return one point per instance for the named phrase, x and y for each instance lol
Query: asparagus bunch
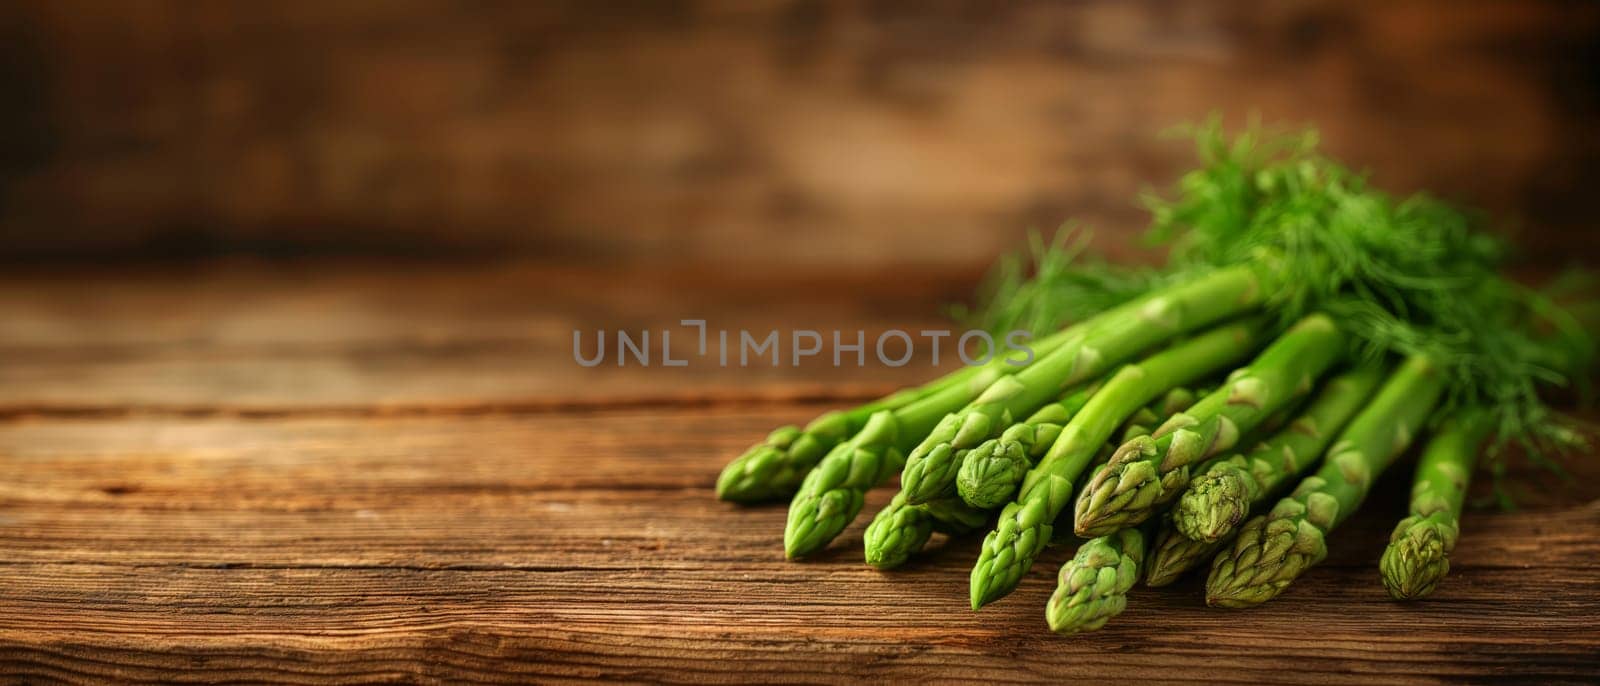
(1418, 556)
(1220, 496)
(1025, 525)
(831, 495)
(1148, 471)
(1274, 549)
(1264, 225)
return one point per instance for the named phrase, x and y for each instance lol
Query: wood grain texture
(554, 545)
(817, 131)
(354, 335)
(516, 541)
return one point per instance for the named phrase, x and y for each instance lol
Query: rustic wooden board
(181, 535)
(546, 545)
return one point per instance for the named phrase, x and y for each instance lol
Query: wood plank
(510, 546)
(342, 335)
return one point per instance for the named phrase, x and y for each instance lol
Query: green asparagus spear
(1418, 556)
(1093, 586)
(1273, 549)
(931, 468)
(1224, 488)
(1025, 525)
(831, 495)
(1149, 471)
(899, 530)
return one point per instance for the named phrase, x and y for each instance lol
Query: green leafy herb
(1051, 285)
(1405, 276)
(1409, 276)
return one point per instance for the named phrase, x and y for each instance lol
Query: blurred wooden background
(722, 130)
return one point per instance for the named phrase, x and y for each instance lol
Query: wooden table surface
(339, 472)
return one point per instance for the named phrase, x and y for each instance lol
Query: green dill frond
(1405, 276)
(1051, 285)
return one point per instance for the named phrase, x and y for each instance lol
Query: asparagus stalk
(1149, 471)
(1225, 488)
(899, 530)
(1093, 586)
(990, 473)
(1418, 556)
(831, 495)
(775, 467)
(1148, 418)
(1273, 549)
(1025, 525)
(1177, 400)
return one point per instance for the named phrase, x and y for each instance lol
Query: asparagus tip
(989, 475)
(1417, 557)
(1214, 504)
(1174, 554)
(1094, 584)
(1121, 492)
(1269, 554)
(804, 533)
(896, 533)
(770, 469)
